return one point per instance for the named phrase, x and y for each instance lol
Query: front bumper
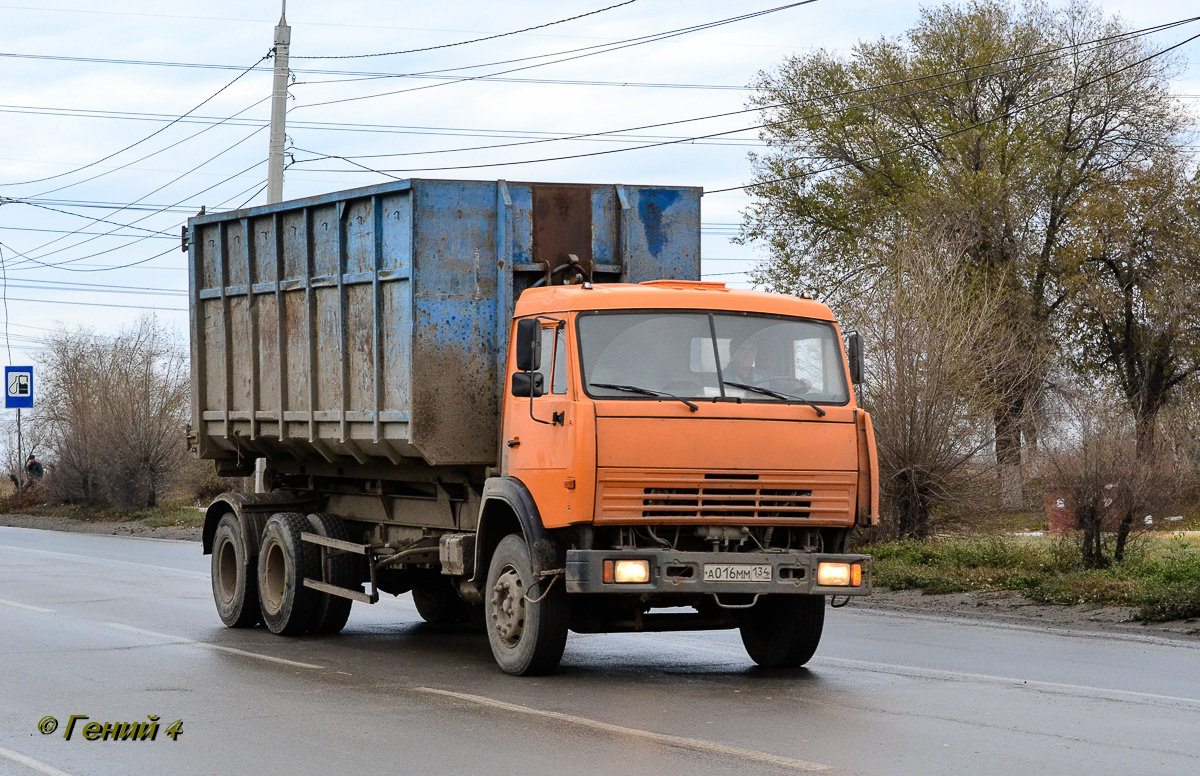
(792, 573)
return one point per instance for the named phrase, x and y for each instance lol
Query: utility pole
(279, 95)
(283, 41)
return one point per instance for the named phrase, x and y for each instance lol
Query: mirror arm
(558, 323)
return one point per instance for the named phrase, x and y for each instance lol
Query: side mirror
(531, 384)
(854, 355)
(529, 345)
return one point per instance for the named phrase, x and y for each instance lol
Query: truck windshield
(709, 355)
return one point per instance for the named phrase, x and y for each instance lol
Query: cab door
(542, 434)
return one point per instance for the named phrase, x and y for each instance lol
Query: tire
(332, 611)
(527, 639)
(783, 631)
(439, 605)
(234, 580)
(288, 607)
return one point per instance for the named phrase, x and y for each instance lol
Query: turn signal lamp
(632, 572)
(839, 574)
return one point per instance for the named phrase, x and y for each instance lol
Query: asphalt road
(120, 628)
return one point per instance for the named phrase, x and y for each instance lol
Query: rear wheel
(234, 582)
(332, 611)
(783, 631)
(439, 604)
(527, 638)
(288, 607)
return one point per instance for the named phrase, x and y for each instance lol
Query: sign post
(18, 381)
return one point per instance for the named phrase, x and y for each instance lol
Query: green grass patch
(1160, 576)
(175, 514)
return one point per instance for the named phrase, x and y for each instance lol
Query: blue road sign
(19, 383)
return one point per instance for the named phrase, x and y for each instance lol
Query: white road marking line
(972, 621)
(693, 744)
(29, 762)
(32, 551)
(26, 606)
(217, 647)
(1009, 680)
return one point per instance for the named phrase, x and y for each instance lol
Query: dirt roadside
(109, 527)
(994, 606)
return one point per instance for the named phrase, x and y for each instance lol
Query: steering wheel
(794, 385)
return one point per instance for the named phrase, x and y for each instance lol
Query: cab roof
(677, 294)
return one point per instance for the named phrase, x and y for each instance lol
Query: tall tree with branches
(989, 119)
(1134, 306)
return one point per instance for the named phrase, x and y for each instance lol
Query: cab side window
(554, 358)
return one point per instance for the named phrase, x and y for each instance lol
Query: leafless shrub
(935, 343)
(114, 411)
(1104, 480)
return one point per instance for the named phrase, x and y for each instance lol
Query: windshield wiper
(776, 394)
(646, 392)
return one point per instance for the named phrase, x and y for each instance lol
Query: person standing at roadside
(33, 468)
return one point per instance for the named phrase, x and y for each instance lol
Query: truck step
(343, 592)
(337, 544)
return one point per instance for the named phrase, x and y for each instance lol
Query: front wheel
(783, 631)
(526, 621)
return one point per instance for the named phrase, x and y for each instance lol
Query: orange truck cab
(695, 446)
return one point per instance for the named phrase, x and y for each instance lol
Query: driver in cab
(743, 368)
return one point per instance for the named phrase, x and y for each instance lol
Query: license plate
(737, 572)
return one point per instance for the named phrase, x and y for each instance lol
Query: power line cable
(158, 131)
(606, 48)
(1107, 40)
(84, 289)
(72, 285)
(172, 249)
(398, 129)
(546, 81)
(44, 206)
(355, 75)
(95, 304)
(765, 125)
(159, 151)
(4, 282)
(476, 40)
(61, 265)
(997, 117)
(86, 204)
(65, 231)
(155, 191)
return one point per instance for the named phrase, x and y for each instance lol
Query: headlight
(839, 574)
(631, 572)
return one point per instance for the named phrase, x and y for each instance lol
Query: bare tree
(1107, 485)
(115, 413)
(936, 343)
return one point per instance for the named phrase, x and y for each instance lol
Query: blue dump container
(369, 327)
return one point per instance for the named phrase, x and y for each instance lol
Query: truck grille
(678, 497)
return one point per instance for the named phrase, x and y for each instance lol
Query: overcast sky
(64, 120)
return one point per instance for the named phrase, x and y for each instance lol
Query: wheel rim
(508, 607)
(274, 576)
(227, 569)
